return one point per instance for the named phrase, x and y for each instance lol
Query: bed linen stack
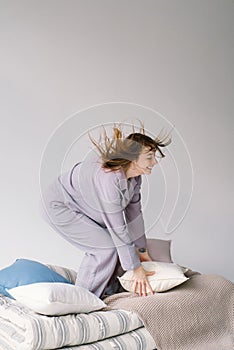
(23, 329)
(197, 315)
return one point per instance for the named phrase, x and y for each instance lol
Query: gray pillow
(159, 249)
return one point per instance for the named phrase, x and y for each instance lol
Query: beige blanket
(197, 315)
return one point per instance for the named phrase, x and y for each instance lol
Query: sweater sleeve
(113, 217)
(134, 217)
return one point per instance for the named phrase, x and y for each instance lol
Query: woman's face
(145, 162)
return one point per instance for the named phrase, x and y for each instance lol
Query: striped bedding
(23, 329)
(138, 339)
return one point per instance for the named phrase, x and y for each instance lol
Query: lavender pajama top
(111, 200)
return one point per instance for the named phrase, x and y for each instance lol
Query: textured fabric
(23, 329)
(197, 315)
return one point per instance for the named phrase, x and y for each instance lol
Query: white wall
(175, 57)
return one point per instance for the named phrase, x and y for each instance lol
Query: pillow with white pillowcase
(167, 276)
(55, 299)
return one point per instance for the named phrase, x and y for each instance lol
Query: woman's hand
(141, 282)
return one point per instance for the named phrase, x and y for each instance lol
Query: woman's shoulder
(111, 175)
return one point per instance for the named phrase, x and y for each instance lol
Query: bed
(195, 315)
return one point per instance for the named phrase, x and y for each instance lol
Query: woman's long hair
(119, 151)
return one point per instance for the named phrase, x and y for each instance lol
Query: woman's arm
(134, 217)
(115, 220)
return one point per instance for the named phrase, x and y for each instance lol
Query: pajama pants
(100, 266)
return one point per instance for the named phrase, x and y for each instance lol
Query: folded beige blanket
(197, 315)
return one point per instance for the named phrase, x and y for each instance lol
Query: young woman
(96, 206)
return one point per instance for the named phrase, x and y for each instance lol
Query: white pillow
(56, 298)
(167, 276)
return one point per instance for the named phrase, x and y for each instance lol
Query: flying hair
(119, 151)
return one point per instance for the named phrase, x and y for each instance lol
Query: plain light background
(61, 57)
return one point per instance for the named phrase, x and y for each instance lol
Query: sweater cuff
(128, 257)
(141, 242)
